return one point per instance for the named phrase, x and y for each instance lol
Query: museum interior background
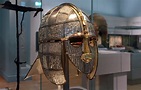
(117, 13)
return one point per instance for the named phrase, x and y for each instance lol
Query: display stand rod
(92, 19)
(41, 74)
(65, 62)
(59, 87)
(40, 81)
(91, 83)
(17, 62)
(16, 7)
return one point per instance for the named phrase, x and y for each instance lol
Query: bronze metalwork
(66, 31)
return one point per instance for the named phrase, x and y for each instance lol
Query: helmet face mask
(81, 45)
(66, 26)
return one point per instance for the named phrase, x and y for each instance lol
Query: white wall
(130, 8)
(110, 7)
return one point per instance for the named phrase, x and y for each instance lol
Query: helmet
(67, 28)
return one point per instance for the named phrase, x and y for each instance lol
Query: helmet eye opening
(76, 41)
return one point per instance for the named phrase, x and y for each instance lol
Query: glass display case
(123, 41)
(124, 38)
(128, 39)
(62, 35)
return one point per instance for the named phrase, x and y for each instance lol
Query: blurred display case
(120, 42)
(128, 39)
(124, 37)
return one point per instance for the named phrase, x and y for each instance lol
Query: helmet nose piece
(86, 57)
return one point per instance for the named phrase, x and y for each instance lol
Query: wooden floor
(34, 84)
(46, 85)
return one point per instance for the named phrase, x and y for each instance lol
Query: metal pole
(91, 83)
(92, 20)
(18, 61)
(41, 74)
(65, 62)
(40, 81)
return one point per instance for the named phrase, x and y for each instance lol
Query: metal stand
(59, 87)
(18, 56)
(65, 62)
(40, 81)
(15, 7)
(91, 82)
(41, 74)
